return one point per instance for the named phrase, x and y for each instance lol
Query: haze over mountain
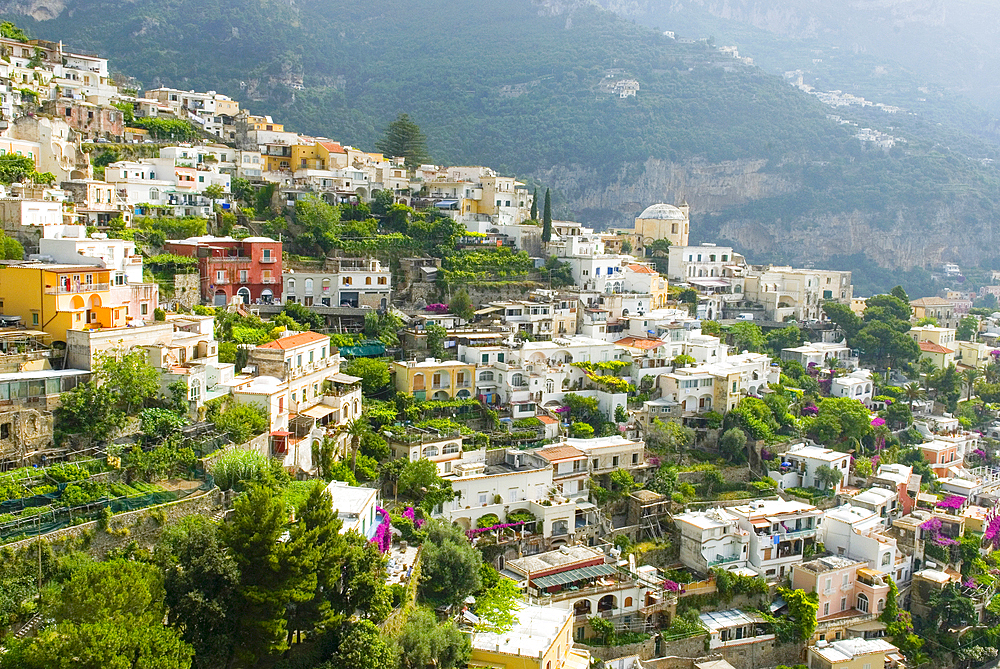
(521, 85)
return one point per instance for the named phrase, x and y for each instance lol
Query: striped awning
(574, 575)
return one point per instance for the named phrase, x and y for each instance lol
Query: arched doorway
(607, 603)
(244, 295)
(220, 298)
(582, 607)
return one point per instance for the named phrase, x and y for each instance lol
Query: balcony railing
(221, 282)
(268, 261)
(230, 259)
(268, 279)
(724, 560)
(82, 288)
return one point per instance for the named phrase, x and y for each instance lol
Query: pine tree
(534, 205)
(403, 139)
(547, 218)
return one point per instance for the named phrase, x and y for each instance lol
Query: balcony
(724, 560)
(268, 261)
(221, 282)
(227, 259)
(82, 288)
(268, 279)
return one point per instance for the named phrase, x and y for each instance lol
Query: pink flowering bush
(672, 586)
(501, 526)
(953, 502)
(411, 515)
(992, 534)
(878, 421)
(437, 308)
(810, 410)
(383, 535)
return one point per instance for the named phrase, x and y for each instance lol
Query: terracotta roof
(332, 147)
(645, 344)
(548, 420)
(930, 301)
(294, 341)
(931, 347)
(558, 453)
(644, 269)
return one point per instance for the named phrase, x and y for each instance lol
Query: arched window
(309, 286)
(881, 605)
(326, 285)
(418, 382)
(290, 286)
(154, 194)
(885, 559)
(516, 380)
(863, 602)
(453, 447)
(628, 602)
(368, 281)
(430, 451)
(550, 386)
(356, 408)
(486, 376)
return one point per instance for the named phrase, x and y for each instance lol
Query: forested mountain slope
(517, 84)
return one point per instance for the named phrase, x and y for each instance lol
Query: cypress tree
(403, 139)
(534, 205)
(547, 218)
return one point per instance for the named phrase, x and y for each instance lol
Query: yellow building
(432, 379)
(57, 298)
(540, 639)
(858, 305)
(662, 221)
(307, 157)
(855, 653)
(264, 123)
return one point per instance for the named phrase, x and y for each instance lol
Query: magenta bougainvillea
(932, 528)
(878, 421)
(383, 535)
(410, 514)
(992, 534)
(562, 409)
(951, 502)
(672, 586)
(766, 455)
(437, 308)
(810, 410)
(501, 526)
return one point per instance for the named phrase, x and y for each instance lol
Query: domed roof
(662, 211)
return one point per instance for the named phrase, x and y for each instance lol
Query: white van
(745, 317)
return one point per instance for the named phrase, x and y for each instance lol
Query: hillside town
(423, 423)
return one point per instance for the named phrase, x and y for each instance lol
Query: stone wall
(692, 646)
(187, 289)
(763, 654)
(644, 649)
(143, 526)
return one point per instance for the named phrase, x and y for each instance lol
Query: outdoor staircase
(29, 627)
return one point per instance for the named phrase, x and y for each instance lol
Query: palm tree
(357, 429)
(927, 368)
(913, 391)
(970, 376)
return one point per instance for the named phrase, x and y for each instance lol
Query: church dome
(667, 212)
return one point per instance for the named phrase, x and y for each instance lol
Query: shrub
(238, 467)
(489, 520)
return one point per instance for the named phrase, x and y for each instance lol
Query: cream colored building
(662, 221)
(855, 653)
(542, 638)
(797, 293)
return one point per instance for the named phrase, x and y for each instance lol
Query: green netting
(371, 348)
(56, 518)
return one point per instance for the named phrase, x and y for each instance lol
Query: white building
(348, 282)
(718, 386)
(859, 533)
(799, 293)
(818, 353)
(71, 244)
(712, 538)
(799, 467)
(704, 261)
(355, 506)
(778, 531)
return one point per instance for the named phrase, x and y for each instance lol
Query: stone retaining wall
(143, 526)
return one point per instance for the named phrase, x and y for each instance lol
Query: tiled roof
(294, 341)
(635, 342)
(931, 347)
(548, 420)
(930, 302)
(332, 147)
(557, 453)
(644, 269)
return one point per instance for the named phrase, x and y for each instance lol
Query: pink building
(941, 455)
(845, 587)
